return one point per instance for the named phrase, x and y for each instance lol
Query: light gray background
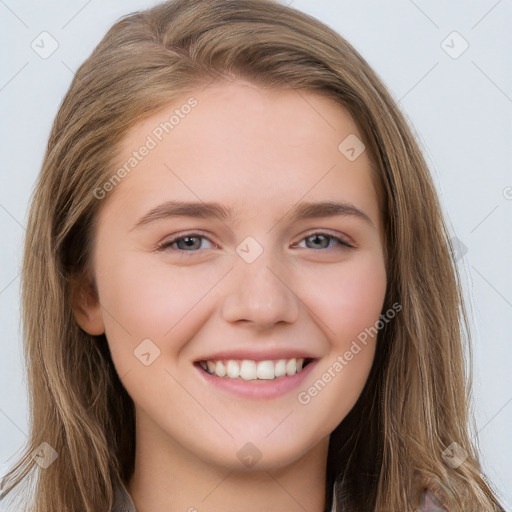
(460, 108)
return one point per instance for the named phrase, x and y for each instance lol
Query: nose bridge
(257, 291)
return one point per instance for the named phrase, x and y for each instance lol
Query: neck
(169, 478)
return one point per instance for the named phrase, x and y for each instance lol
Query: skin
(301, 292)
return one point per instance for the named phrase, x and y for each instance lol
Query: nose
(260, 293)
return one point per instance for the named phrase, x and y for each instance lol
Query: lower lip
(258, 389)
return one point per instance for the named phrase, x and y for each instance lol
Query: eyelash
(166, 244)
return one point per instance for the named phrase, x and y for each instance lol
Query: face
(247, 280)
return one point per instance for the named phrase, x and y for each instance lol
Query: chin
(262, 455)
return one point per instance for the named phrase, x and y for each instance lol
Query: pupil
(189, 241)
(317, 237)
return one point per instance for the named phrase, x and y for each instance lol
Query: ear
(85, 305)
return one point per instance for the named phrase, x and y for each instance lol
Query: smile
(248, 369)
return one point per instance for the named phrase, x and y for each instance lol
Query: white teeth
(220, 369)
(291, 367)
(280, 368)
(248, 369)
(265, 370)
(232, 369)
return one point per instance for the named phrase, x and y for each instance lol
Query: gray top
(123, 502)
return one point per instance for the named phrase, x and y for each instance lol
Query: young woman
(238, 288)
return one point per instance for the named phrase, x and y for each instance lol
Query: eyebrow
(203, 210)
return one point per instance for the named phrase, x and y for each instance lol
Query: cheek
(349, 306)
(151, 301)
(348, 299)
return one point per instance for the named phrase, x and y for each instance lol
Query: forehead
(253, 149)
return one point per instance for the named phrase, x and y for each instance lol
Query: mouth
(252, 370)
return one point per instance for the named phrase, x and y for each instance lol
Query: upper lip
(258, 355)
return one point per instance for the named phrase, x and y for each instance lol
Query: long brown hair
(416, 401)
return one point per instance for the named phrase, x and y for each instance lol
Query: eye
(186, 243)
(322, 241)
